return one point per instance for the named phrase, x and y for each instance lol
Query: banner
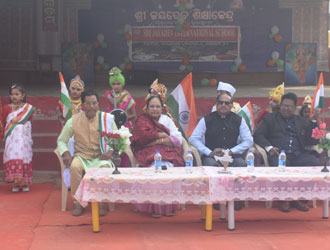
(50, 15)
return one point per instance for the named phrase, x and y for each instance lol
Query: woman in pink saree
(155, 131)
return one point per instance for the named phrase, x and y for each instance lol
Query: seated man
(222, 130)
(285, 130)
(86, 129)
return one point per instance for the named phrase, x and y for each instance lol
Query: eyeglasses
(155, 106)
(287, 106)
(91, 103)
(224, 102)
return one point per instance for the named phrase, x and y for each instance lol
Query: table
(267, 183)
(140, 185)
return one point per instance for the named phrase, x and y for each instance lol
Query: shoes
(15, 189)
(78, 210)
(26, 189)
(238, 205)
(284, 206)
(102, 210)
(300, 205)
(170, 214)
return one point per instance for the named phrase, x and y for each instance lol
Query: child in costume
(17, 156)
(119, 98)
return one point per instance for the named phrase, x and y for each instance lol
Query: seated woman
(155, 131)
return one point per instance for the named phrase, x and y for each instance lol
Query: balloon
(128, 66)
(278, 38)
(275, 29)
(275, 55)
(205, 82)
(190, 5)
(98, 67)
(213, 82)
(242, 68)
(271, 63)
(182, 67)
(271, 36)
(180, 19)
(238, 61)
(279, 63)
(96, 44)
(128, 36)
(127, 28)
(122, 66)
(106, 66)
(178, 27)
(234, 68)
(186, 61)
(127, 60)
(100, 59)
(100, 37)
(181, 7)
(186, 26)
(104, 45)
(183, 1)
(120, 31)
(189, 68)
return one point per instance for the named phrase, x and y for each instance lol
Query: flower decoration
(323, 135)
(118, 140)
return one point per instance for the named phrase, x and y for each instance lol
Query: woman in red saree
(155, 131)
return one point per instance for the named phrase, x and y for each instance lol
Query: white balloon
(274, 29)
(190, 6)
(100, 37)
(100, 59)
(180, 18)
(128, 28)
(122, 66)
(182, 67)
(238, 61)
(275, 55)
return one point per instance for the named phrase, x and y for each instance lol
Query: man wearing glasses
(85, 127)
(292, 133)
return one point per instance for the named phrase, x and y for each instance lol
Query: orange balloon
(96, 44)
(186, 61)
(278, 38)
(98, 67)
(186, 26)
(128, 66)
(271, 63)
(213, 82)
(128, 36)
(183, 1)
(242, 68)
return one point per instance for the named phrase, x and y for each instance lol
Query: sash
(105, 126)
(23, 115)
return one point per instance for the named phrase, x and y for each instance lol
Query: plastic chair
(65, 189)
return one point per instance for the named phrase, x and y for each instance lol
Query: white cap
(227, 87)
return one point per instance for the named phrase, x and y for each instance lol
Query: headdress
(77, 82)
(115, 75)
(307, 101)
(160, 89)
(222, 86)
(276, 93)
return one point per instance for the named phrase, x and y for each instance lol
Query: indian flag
(318, 98)
(247, 114)
(181, 104)
(65, 99)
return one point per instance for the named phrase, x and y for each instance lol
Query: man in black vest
(220, 130)
(285, 130)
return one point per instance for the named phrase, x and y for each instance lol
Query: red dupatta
(145, 131)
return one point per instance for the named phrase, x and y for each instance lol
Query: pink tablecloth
(140, 185)
(267, 183)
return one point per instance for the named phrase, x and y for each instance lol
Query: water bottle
(282, 161)
(250, 161)
(189, 162)
(158, 162)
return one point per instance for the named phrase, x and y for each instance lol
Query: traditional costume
(17, 156)
(89, 144)
(146, 131)
(127, 102)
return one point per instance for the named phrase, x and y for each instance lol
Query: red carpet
(34, 221)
